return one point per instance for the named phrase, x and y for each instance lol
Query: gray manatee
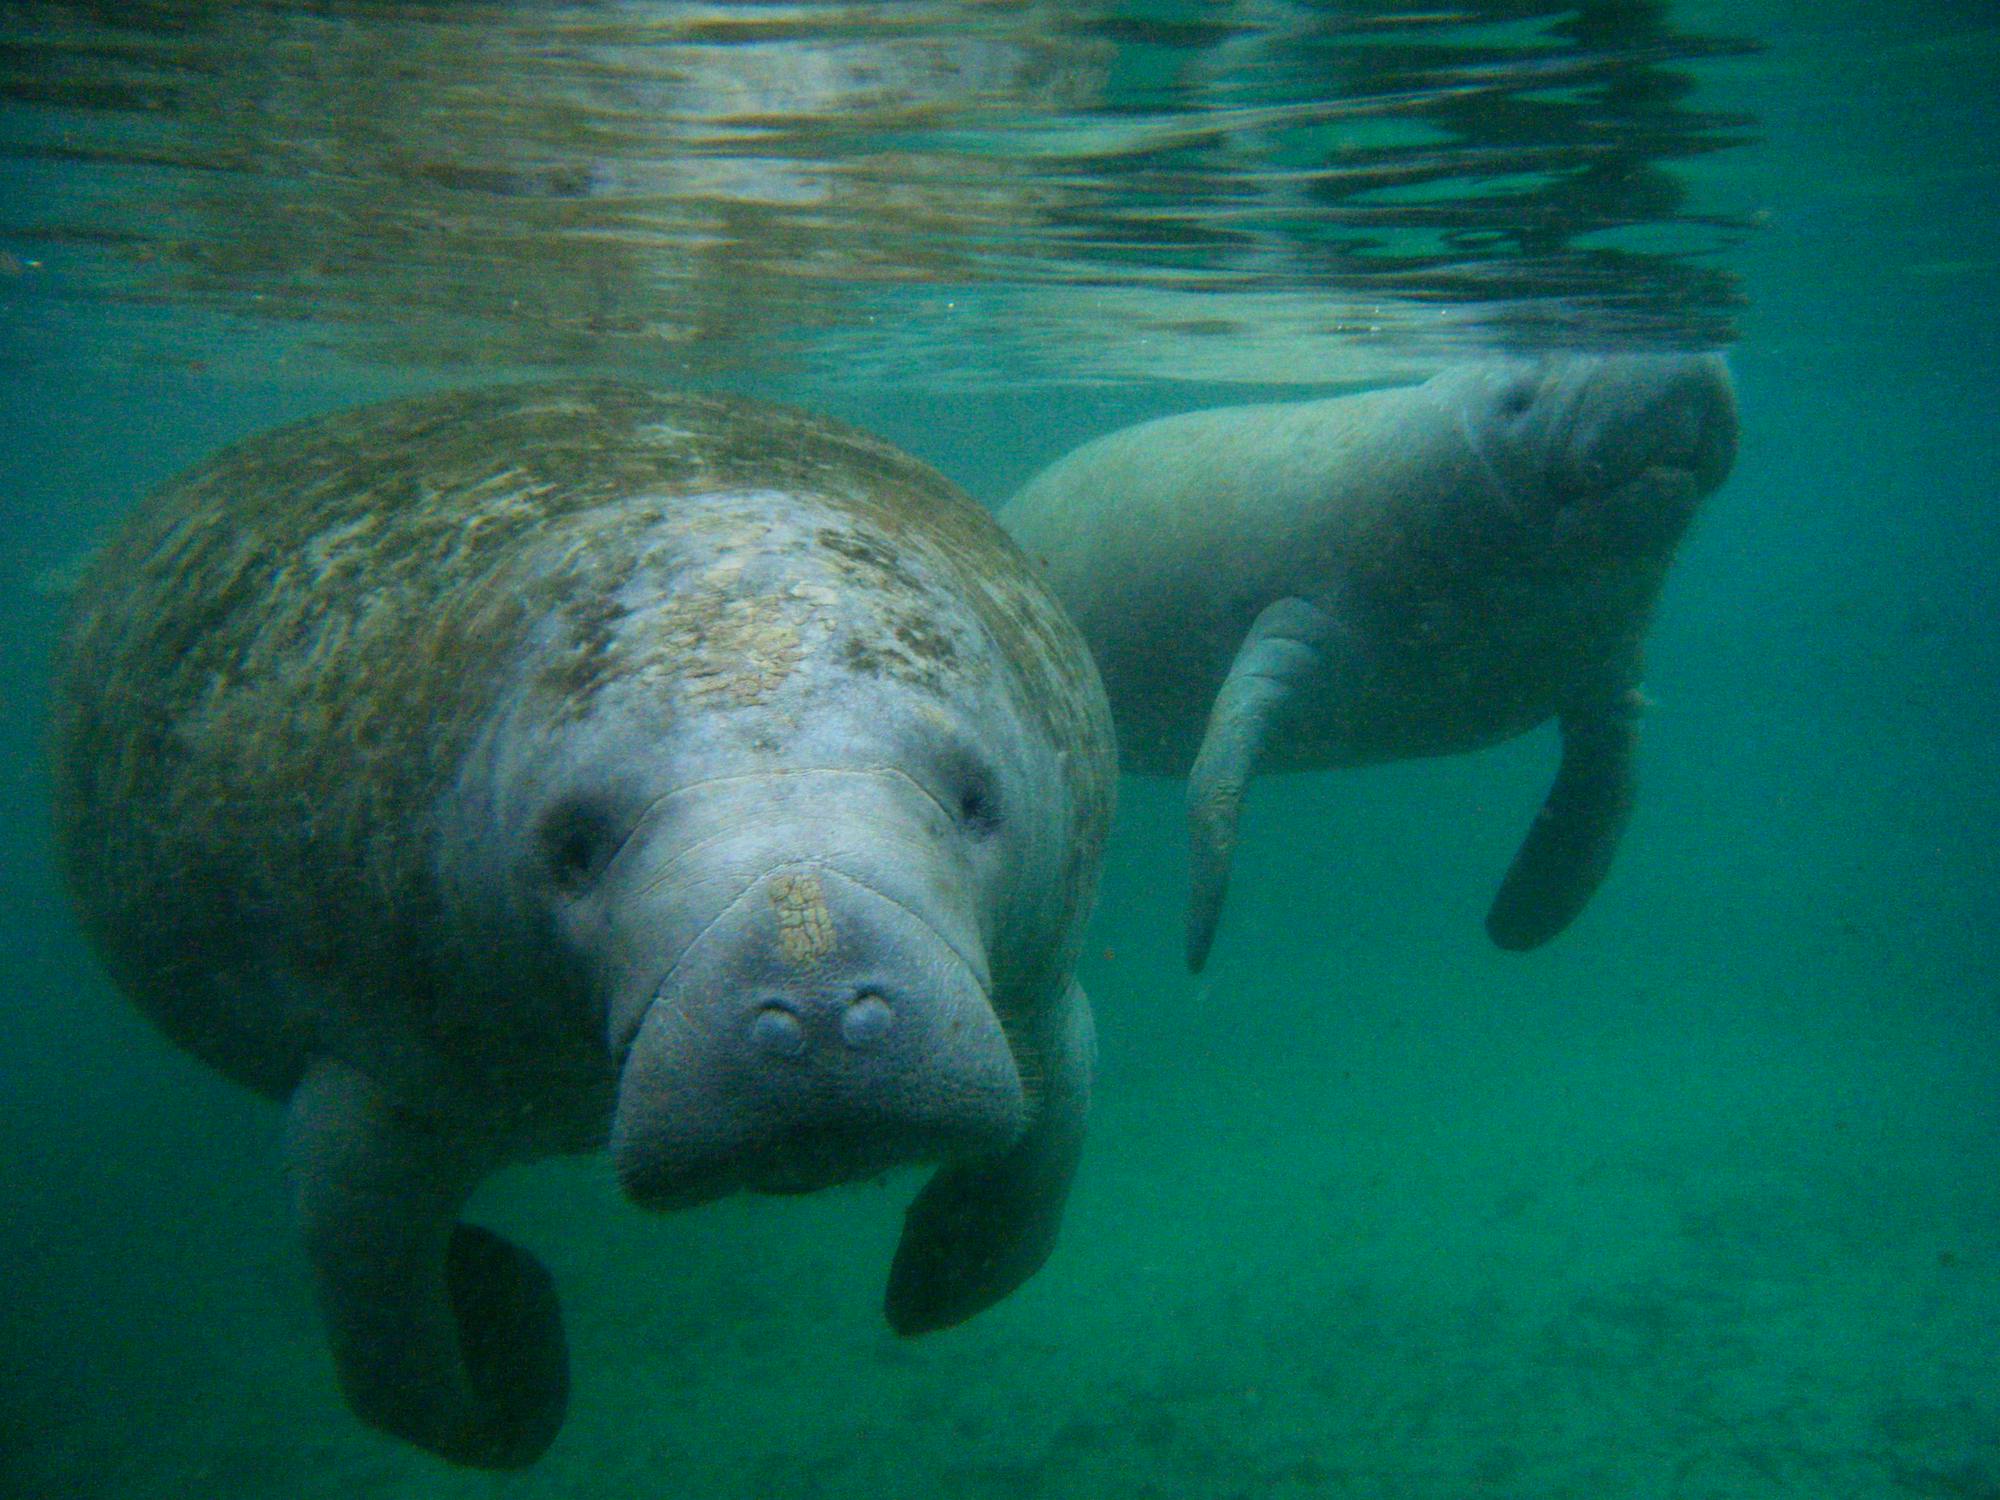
(1407, 572)
(508, 772)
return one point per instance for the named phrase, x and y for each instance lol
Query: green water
(1701, 1201)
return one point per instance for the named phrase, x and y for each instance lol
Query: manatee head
(784, 807)
(1601, 455)
(807, 992)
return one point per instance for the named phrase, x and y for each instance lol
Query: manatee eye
(1516, 398)
(577, 840)
(978, 802)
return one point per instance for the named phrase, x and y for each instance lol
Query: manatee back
(273, 672)
(1164, 540)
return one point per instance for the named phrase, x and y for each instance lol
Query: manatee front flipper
(1294, 650)
(980, 1229)
(1569, 847)
(442, 1333)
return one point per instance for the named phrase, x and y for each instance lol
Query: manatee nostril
(866, 1021)
(776, 1031)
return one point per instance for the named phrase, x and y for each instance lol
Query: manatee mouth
(773, 1064)
(795, 1168)
(699, 1121)
(795, 1163)
(1672, 413)
(1645, 516)
(1660, 438)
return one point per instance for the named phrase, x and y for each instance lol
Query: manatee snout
(1637, 414)
(818, 1030)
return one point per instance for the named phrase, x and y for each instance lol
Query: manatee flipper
(1291, 651)
(1569, 846)
(442, 1333)
(980, 1229)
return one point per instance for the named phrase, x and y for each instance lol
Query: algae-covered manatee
(530, 769)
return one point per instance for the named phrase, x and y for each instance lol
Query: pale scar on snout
(805, 926)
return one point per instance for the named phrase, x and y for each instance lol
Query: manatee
(530, 769)
(1410, 572)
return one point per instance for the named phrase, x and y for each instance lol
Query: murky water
(1699, 1201)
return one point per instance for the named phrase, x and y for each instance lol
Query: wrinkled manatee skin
(527, 769)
